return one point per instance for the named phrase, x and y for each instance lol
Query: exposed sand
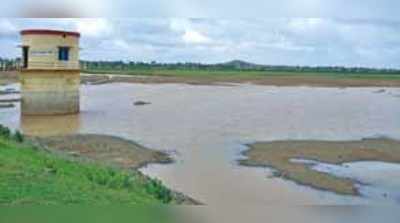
(278, 154)
(103, 148)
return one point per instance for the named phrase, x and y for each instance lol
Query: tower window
(63, 53)
(25, 54)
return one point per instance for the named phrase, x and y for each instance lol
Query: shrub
(51, 165)
(156, 188)
(5, 132)
(18, 137)
(99, 177)
(120, 180)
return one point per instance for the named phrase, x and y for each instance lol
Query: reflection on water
(49, 125)
(205, 129)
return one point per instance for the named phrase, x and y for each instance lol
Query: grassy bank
(278, 155)
(30, 175)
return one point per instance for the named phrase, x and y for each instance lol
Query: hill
(240, 64)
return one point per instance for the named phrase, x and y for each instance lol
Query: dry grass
(279, 153)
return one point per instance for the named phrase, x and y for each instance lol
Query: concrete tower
(50, 73)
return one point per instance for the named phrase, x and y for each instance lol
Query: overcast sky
(343, 37)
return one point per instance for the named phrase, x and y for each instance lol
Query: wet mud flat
(104, 148)
(293, 160)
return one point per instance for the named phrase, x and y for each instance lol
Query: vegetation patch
(278, 155)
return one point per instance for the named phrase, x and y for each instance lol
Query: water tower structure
(50, 72)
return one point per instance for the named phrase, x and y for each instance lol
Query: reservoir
(206, 128)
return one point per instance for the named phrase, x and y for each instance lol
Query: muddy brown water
(205, 128)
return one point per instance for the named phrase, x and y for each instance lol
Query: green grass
(241, 73)
(33, 176)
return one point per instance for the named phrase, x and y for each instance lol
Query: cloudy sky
(345, 37)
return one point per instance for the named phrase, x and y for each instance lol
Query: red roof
(49, 32)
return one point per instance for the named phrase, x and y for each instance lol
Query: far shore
(314, 80)
(273, 80)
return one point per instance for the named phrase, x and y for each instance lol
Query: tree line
(236, 65)
(233, 65)
(9, 64)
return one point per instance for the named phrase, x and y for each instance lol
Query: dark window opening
(63, 53)
(25, 53)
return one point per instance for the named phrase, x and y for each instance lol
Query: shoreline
(279, 81)
(268, 80)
